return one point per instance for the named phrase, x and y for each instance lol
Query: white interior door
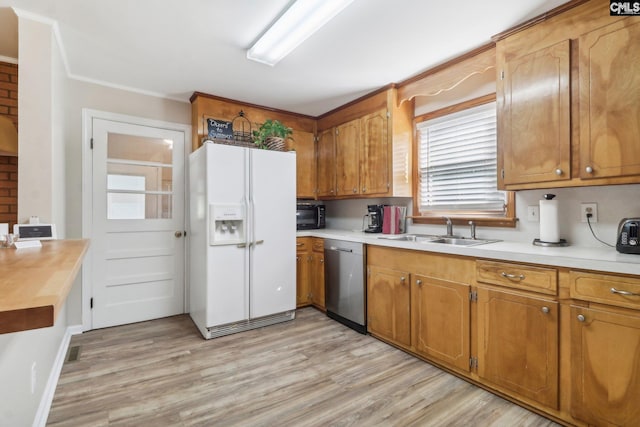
(138, 221)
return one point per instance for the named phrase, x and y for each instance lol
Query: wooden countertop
(35, 282)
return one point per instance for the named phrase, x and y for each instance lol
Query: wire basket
(275, 143)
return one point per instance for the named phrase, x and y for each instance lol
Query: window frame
(457, 217)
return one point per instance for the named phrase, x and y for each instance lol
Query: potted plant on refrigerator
(272, 135)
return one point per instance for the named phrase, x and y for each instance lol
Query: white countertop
(598, 259)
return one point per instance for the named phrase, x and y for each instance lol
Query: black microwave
(310, 216)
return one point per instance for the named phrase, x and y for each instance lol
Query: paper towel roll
(549, 230)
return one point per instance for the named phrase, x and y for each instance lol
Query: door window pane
(139, 177)
(125, 205)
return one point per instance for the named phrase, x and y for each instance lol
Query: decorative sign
(219, 129)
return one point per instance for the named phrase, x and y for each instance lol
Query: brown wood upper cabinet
(362, 146)
(568, 95)
(533, 116)
(610, 101)
(326, 164)
(305, 146)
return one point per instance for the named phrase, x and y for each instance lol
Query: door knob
(178, 234)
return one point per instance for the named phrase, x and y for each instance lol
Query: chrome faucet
(449, 226)
(473, 230)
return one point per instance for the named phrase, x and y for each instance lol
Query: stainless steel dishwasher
(345, 293)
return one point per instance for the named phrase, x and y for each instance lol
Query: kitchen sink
(430, 238)
(462, 241)
(410, 237)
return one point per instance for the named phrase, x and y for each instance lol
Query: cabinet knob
(178, 234)
(588, 169)
(558, 171)
(419, 282)
(402, 279)
(355, 190)
(545, 310)
(581, 318)
(322, 260)
(364, 189)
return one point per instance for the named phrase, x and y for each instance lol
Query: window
(457, 168)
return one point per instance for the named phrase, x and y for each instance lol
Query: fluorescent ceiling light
(302, 19)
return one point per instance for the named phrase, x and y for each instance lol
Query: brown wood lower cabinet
(303, 291)
(420, 301)
(563, 342)
(605, 367)
(388, 299)
(310, 272)
(440, 313)
(316, 273)
(518, 344)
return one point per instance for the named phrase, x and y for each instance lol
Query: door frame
(87, 196)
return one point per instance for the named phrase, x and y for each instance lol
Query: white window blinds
(458, 162)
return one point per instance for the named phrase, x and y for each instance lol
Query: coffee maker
(375, 219)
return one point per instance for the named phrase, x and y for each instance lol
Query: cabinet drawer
(317, 244)
(606, 289)
(303, 244)
(517, 276)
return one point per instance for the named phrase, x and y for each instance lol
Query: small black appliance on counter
(628, 240)
(310, 216)
(375, 213)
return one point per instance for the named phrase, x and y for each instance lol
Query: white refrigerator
(242, 233)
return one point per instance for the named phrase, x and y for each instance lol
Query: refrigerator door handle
(241, 245)
(259, 242)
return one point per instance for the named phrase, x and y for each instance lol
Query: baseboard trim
(52, 382)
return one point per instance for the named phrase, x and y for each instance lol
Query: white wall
(614, 203)
(50, 186)
(81, 95)
(35, 125)
(40, 182)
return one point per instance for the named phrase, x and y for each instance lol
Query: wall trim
(42, 414)
(9, 60)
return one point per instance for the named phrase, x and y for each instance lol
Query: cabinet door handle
(364, 189)
(322, 260)
(558, 171)
(299, 244)
(512, 276)
(355, 190)
(402, 279)
(625, 293)
(545, 310)
(588, 169)
(419, 282)
(581, 318)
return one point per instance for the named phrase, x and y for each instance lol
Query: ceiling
(172, 48)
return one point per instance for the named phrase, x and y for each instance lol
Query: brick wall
(9, 165)
(9, 190)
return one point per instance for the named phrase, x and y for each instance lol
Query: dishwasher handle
(335, 248)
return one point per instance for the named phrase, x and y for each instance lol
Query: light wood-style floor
(311, 371)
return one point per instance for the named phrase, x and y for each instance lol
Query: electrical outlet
(533, 213)
(33, 378)
(586, 208)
